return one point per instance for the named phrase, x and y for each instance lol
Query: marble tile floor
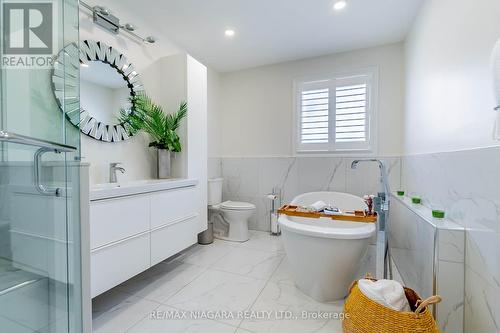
(222, 287)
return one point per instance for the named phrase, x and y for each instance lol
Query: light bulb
(340, 4)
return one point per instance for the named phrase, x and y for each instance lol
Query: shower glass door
(40, 287)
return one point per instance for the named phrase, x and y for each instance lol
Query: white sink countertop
(113, 190)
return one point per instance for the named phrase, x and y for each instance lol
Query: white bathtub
(324, 255)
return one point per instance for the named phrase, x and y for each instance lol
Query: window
(336, 114)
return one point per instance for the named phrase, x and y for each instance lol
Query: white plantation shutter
(352, 116)
(314, 121)
(314, 127)
(335, 114)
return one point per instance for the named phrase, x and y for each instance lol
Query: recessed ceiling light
(340, 4)
(229, 33)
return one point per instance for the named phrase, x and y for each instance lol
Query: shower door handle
(44, 147)
(42, 189)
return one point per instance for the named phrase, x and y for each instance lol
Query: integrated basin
(113, 190)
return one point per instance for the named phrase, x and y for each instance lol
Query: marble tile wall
(412, 248)
(429, 254)
(466, 184)
(251, 179)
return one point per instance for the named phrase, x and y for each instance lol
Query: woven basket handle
(369, 276)
(429, 301)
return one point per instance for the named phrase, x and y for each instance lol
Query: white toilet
(230, 218)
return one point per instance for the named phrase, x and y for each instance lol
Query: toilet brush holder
(275, 227)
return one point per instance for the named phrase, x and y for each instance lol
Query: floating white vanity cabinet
(118, 218)
(117, 262)
(137, 225)
(185, 231)
(169, 206)
(172, 213)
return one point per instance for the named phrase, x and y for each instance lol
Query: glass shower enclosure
(40, 269)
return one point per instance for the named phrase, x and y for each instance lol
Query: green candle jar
(438, 214)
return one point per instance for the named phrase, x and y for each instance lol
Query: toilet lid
(237, 205)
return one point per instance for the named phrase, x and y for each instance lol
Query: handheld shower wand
(385, 208)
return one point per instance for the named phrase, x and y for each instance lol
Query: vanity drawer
(116, 263)
(116, 219)
(172, 205)
(171, 239)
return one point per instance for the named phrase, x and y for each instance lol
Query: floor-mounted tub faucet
(113, 167)
(385, 208)
(383, 173)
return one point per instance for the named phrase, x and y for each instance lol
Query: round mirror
(107, 81)
(103, 92)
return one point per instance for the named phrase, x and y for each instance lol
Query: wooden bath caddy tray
(353, 216)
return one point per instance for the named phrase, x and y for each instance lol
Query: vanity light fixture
(229, 33)
(103, 17)
(340, 4)
(150, 39)
(129, 26)
(102, 10)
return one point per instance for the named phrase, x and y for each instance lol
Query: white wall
(214, 113)
(256, 105)
(196, 149)
(450, 101)
(449, 107)
(138, 159)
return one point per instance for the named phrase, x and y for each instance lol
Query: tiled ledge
(425, 213)
(429, 254)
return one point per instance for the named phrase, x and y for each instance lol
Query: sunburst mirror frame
(65, 85)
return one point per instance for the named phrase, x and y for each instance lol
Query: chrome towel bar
(29, 141)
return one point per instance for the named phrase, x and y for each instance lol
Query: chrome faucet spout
(383, 173)
(355, 163)
(113, 167)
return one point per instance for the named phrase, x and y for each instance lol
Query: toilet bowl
(229, 218)
(324, 254)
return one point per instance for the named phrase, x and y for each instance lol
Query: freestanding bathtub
(324, 255)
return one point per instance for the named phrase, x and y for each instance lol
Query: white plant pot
(164, 164)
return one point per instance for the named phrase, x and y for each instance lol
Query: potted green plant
(161, 127)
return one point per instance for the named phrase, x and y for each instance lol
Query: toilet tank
(214, 191)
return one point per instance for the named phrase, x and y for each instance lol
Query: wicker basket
(362, 315)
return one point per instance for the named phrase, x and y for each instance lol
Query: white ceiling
(272, 31)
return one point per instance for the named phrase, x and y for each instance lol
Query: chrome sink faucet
(113, 167)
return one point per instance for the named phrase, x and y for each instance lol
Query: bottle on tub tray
(369, 202)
